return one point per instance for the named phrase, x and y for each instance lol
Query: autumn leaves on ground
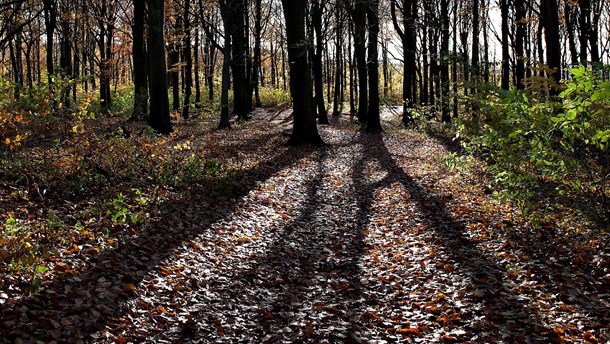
(121, 235)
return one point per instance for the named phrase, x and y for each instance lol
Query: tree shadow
(503, 307)
(82, 300)
(306, 286)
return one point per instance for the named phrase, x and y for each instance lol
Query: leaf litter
(368, 240)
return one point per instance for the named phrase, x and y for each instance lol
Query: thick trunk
(585, 28)
(238, 58)
(159, 101)
(550, 20)
(304, 124)
(570, 31)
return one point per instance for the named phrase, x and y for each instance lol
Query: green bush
(535, 145)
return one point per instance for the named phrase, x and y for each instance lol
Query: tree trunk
(338, 64)
(520, 35)
(359, 18)
(257, 53)
(505, 44)
(50, 20)
(159, 101)
(316, 16)
(188, 71)
(174, 62)
(406, 33)
(304, 124)
(226, 63)
(373, 123)
(445, 116)
(352, 70)
(140, 79)
(585, 28)
(238, 60)
(197, 70)
(476, 18)
(550, 20)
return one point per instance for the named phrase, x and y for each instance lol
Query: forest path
(371, 239)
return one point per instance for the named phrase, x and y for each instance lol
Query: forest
(324, 171)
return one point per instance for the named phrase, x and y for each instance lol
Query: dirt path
(370, 239)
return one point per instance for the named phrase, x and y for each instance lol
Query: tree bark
(359, 18)
(505, 45)
(316, 16)
(238, 58)
(550, 20)
(159, 100)
(304, 124)
(140, 77)
(373, 123)
(520, 35)
(188, 71)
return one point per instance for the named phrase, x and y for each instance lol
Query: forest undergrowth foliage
(546, 153)
(72, 179)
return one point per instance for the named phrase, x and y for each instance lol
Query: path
(368, 240)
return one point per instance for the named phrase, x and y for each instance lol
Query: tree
(237, 31)
(304, 124)
(373, 123)
(188, 72)
(550, 22)
(445, 116)
(50, 20)
(140, 75)
(520, 35)
(406, 32)
(225, 122)
(316, 22)
(159, 100)
(505, 45)
(359, 17)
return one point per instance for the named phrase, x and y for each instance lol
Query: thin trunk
(359, 18)
(373, 123)
(445, 115)
(520, 35)
(188, 70)
(505, 44)
(316, 15)
(140, 77)
(257, 53)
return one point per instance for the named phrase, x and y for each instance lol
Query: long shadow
(311, 270)
(306, 286)
(506, 315)
(74, 308)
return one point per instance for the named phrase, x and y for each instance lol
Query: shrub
(535, 145)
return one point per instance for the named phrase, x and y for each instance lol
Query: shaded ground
(370, 239)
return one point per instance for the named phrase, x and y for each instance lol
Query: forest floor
(371, 239)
